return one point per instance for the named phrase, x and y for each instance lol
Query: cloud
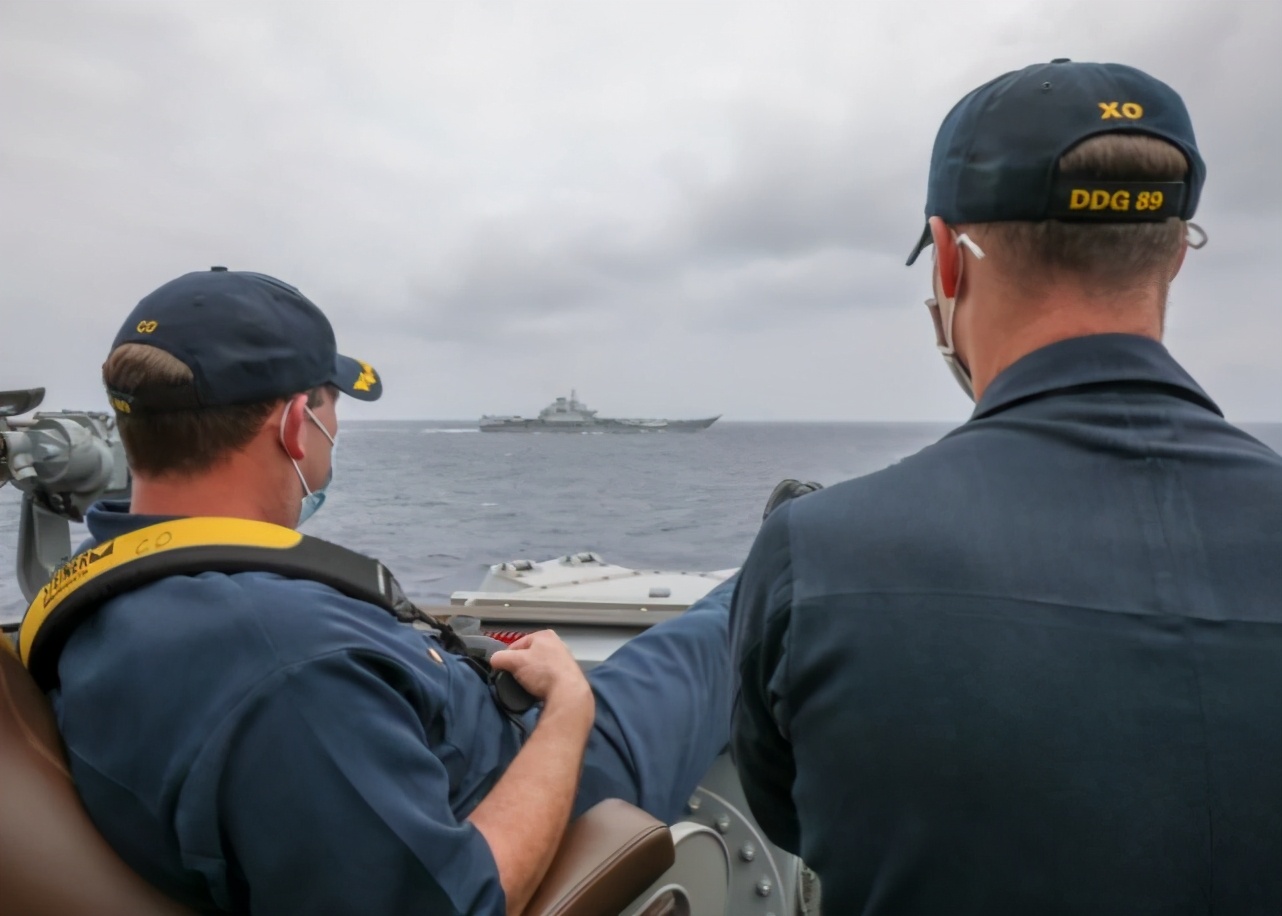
(497, 199)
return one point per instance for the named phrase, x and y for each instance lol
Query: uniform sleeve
(322, 795)
(759, 618)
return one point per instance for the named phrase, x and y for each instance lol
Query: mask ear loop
(942, 313)
(944, 322)
(297, 470)
(1199, 241)
(316, 420)
(970, 245)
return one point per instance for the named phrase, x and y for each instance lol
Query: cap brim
(356, 379)
(921, 245)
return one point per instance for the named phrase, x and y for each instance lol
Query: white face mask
(943, 309)
(312, 499)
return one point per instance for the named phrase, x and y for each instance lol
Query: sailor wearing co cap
(1036, 667)
(231, 344)
(292, 746)
(246, 337)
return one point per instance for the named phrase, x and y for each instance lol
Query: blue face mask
(312, 499)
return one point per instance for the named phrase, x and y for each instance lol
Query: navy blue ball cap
(247, 338)
(997, 153)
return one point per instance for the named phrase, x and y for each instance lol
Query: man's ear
(295, 415)
(946, 256)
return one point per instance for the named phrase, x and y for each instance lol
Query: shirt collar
(109, 519)
(1093, 360)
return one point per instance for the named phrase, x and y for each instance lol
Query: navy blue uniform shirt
(250, 743)
(1034, 668)
(253, 742)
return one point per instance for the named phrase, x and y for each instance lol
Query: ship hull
(603, 425)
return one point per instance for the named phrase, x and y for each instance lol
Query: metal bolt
(723, 823)
(693, 804)
(747, 852)
(764, 887)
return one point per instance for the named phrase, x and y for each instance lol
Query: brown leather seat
(609, 855)
(53, 861)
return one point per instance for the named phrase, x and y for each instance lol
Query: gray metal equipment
(62, 461)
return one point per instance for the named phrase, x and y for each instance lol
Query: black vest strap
(187, 547)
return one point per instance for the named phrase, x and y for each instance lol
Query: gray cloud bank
(680, 209)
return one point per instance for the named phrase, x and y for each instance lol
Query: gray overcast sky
(678, 208)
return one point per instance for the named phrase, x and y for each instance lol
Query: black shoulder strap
(186, 547)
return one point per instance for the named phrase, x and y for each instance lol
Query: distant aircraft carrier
(570, 415)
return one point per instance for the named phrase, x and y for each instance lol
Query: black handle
(511, 695)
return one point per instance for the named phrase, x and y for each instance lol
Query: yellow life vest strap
(187, 547)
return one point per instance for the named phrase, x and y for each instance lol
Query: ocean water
(438, 502)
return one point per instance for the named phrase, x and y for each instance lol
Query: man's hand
(543, 665)
(788, 489)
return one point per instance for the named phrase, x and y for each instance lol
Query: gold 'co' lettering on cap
(1131, 111)
(146, 327)
(121, 405)
(367, 379)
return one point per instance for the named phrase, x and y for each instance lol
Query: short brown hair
(179, 441)
(1101, 255)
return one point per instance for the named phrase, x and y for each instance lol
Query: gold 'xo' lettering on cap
(1131, 111)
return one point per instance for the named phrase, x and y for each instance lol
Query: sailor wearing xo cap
(1037, 667)
(1081, 176)
(248, 725)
